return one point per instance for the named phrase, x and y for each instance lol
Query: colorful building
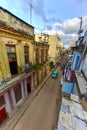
(81, 75)
(17, 50)
(78, 51)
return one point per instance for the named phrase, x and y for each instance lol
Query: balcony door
(11, 52)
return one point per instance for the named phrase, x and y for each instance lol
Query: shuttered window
(26, 54)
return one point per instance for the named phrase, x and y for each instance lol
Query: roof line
(5, 10)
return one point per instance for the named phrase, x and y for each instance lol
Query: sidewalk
(16, 115)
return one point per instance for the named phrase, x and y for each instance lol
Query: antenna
(80, 31)
(30, 4)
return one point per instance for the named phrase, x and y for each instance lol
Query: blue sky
(51, 16)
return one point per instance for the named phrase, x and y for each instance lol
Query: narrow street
(42, 113)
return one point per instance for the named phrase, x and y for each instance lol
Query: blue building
(76, 60)
(77, 56)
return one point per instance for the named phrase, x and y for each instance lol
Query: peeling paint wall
(12, 21)
(20, 56)
(54, 41)
(11, 32)
(4, 64)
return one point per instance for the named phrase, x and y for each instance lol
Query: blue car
(54, 74)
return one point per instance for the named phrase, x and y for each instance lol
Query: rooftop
(72, 116)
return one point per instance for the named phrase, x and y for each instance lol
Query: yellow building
(53, 48)
(17, 51)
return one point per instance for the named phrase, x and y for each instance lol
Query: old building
(16, 56)
(41, 56)
(81, 74)
(78, 51)
(54, 48)
(60, 51)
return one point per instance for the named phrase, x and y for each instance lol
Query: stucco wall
(4, 64)
(53, 42)
(14, 22)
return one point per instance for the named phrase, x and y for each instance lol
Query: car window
(54, 72)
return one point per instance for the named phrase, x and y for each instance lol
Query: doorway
(29, 84)
(13, 67)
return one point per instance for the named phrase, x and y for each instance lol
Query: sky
(61, 17)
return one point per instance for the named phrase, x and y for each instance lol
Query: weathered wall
(20, 56)
(53, 42)
(4, 64)
(14, 22)
(11, 32)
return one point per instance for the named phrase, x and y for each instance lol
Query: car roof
(55, 72)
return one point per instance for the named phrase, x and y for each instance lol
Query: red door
(3, 115)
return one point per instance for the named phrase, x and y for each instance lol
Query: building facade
(77, 55)
(79, 66)
(17, 50)
(41, 57)
(53, 53)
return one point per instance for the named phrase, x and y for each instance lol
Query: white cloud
(69, 26)
(67, 31)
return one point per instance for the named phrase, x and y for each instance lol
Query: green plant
(51, 65)
(36, 67)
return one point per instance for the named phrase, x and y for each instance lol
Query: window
(42, 56)
(11, 52)
(37, 56)
(26, 54)
(46, 55)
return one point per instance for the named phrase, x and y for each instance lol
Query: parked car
(54, 74)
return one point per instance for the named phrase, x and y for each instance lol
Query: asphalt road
(42, 113)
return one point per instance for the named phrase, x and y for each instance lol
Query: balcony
(26, 69)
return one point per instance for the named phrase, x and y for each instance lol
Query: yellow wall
(4, 64)
(53, 42)
(20, 56)
(18, 24)
(24, 35)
